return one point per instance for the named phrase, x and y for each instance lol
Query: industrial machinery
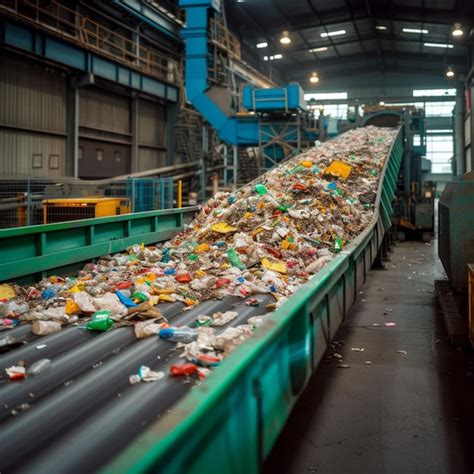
(60, 210)
(456, 229)
(456, 252)
(415, 197)
(271, 119)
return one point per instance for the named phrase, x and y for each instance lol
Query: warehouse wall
(32, 118)
(151, 135)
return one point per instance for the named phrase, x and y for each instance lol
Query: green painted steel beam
(41, 248)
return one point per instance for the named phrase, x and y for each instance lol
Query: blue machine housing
(238, 131)
(288, 98)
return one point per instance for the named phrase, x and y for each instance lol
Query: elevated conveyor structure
(82, 414)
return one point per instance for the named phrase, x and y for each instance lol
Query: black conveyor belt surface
(83, 410)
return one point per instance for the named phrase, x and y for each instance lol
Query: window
(117, 156)
(439, 150)
(433, 92)
(37, 161)
(326, 96)
(100, 155)
(53, 162)
(338, 111)
(80, 152)
(439, 109)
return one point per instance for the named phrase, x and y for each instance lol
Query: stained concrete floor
(403, 413)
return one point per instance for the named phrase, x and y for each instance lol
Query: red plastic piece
(183, 369)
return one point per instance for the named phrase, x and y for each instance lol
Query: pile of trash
(268, 237)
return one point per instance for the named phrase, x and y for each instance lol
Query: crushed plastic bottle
(234, 259)
(43, 328)
(39, 366)
(181, 334)
(100, 321)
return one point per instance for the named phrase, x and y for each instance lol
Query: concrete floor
(410, 413)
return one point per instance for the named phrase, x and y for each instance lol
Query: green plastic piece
(234, 259)
(100, 321)
(338, 245)
(193, 257)
(297, 169)
(141, 297)
(261, 189)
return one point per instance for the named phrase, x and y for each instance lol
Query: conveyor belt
(87, 390)
(82, 413)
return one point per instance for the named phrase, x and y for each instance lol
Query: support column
(135, 130)
(72, 127)
(459, 152)
(171, 118)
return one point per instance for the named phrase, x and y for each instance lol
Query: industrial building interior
(236, 236)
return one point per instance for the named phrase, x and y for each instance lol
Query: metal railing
(223, 38)
(90, 34)
(28, 201)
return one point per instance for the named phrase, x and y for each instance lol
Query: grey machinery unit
(414, 206)
(456, 229)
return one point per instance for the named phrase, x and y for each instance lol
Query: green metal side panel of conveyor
(230, 423)
(29, 253)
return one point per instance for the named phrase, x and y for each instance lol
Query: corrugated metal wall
(105, 111)
(151, 136)
(33, 123)
(32, 118)
(31, 154)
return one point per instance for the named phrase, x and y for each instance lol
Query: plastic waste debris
(100, 321)
(182, 334)
(43, 328)
(268, 237)
(220, 319)
(149, 327)
(183, 369)
(39, 366)
(6, 292)
(16, 372)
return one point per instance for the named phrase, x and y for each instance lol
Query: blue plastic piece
(49, 293)
(332, 186)
(125, 301)
(170, 271)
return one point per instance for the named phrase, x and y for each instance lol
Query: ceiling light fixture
(318, 50)
(333, 33)
(265, 58)
(449, 72)
(285, 39)
(263, 44)
(381, 102)
(457, 30)
(314, 78)
(278, 56)
(380, 27)
(415, 30)
(438, 45)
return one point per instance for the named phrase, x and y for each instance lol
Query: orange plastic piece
(337, 168)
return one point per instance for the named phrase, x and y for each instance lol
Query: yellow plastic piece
(72, 307)
(276, 265)
(306, 164)
(247, 215)
(337, 168)
(165, 299)
(202, 248)
(223, 228)
(77, 288)
(53, 279)
(189, 302)
(6, 292)
(285, 245)
(200, 273)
